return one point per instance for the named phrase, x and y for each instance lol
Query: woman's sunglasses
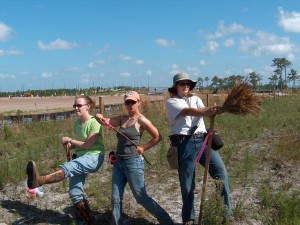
(130, 102)
(78, 105)
(184, 83)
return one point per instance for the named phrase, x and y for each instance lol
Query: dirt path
(46, 104)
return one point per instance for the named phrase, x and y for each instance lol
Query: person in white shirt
(185, 113)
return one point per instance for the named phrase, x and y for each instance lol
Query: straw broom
(240, 101)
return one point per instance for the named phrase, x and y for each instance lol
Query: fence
(105, 108)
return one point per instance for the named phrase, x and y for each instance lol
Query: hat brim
(131, 98)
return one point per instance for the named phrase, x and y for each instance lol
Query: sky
(46, 44)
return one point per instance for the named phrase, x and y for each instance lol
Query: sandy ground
(46, 104)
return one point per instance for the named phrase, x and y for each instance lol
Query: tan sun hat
(131, 95)
(183, 76)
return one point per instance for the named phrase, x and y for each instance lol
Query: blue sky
(78, 44)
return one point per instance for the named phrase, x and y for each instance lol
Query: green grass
(252, 144)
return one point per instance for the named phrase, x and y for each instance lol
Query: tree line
(280, 79)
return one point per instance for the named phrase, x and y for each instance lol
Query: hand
(140, 150)
(214, 110)
(99, 117)
(65, 140)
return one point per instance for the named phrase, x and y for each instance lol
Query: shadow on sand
(30, 214)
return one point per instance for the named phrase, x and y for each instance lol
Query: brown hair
(87, 100)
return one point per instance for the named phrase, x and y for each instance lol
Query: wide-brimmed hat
(131, 95)
(183, 76)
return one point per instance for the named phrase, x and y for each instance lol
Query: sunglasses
(78, 105)
(184, 83)
(130, 102)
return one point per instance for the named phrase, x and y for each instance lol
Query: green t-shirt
(82, 132)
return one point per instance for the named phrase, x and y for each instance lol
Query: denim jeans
(77, 170)
(132, 171)
(188, 150)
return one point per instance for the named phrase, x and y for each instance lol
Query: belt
(199, 135)
(180, 137)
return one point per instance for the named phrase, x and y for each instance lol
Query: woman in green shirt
(89, 150)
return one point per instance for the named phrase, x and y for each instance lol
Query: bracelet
(70, 141)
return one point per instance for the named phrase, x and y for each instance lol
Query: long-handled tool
(68, 152)
(112, 127)
(212, 121)
(240, 101)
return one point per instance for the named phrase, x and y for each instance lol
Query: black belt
(180, 137)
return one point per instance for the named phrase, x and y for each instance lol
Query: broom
(240, 101)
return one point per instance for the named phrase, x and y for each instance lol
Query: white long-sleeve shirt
(184, 124)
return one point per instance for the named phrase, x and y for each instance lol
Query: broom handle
(68, 152)
(109, 125)
(112, 127)
(207, 160)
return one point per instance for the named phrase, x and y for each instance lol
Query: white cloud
(72, 69)
(5, 32)
(228, 42)
(223, 30)
(7, 76)
(58, 44)
(96, 63)
(265, 44)
(101, 51)
(289, 21)
(10, 52)
(125, 57)
(192, 71)
(175, 69)
(202, 62)
(149, 72)
(210, 48)
(125, 74)
(99, 75)
(164, 43)
(291, 57)
(247, 71)
(138, 62)
(84, 80)
(175, 66)
(46, 75)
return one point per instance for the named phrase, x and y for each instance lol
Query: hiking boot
(82, 210)
(34, 179)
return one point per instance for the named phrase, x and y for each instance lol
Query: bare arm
(152, 130)
(115, 121)
(88, 143)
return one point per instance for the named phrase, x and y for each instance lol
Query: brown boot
(34, 179)
(83, 210)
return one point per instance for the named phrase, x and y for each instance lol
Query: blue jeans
(188, 150)
(132, 171)
(77, 170)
